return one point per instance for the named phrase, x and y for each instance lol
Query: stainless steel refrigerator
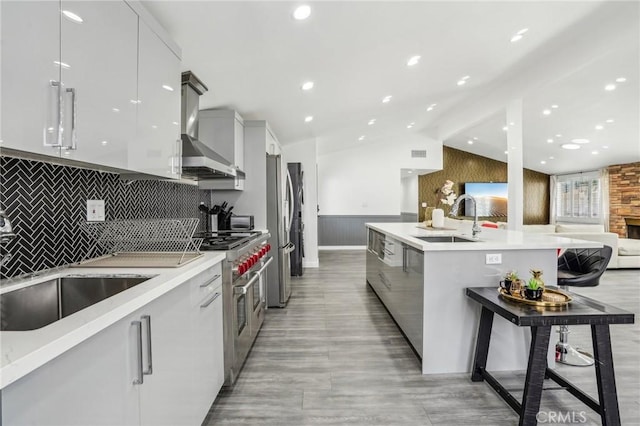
(279, 214)
(296, 176)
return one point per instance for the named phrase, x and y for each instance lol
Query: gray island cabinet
(422, 285)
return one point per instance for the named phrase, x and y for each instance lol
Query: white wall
(305, 152)
(409, 194)
(364, 179)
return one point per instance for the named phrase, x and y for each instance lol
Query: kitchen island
(422, 284)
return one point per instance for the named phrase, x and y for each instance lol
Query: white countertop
(23, 351)
(488, 239)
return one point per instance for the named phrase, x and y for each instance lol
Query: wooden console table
(580, 311)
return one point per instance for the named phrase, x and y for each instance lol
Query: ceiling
(254, 58)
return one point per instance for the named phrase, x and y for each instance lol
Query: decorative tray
(550, 298)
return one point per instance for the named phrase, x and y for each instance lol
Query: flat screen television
(491, 199)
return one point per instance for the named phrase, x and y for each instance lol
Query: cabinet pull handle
(215, 277)
(53, 129)
(210, 301)
(139, 379)
(147, 320)
(74, 108)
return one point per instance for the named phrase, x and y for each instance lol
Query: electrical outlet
(493, 259)
(95, 210)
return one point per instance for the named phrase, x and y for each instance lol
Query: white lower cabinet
(104, 381)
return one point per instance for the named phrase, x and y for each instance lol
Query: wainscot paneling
(46, 202)
(408, 217)
(347, 230)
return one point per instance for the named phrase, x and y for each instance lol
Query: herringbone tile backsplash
(46, 202)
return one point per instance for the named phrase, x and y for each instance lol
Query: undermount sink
(36, 306)
(446, 239)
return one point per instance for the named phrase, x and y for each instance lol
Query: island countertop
(24, 351)
(488, 239)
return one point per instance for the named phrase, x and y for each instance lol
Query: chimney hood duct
(199, 160)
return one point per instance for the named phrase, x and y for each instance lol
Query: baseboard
(342, 247)
(310, 263)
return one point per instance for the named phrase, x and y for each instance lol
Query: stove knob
(255, 258)
(241, 269)
(250, 262)
(262, 252)
(268, 247)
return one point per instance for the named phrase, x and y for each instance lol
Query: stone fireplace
(633, 227)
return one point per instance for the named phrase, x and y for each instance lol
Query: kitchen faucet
(454, 212)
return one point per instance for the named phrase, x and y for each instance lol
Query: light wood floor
(333, 356)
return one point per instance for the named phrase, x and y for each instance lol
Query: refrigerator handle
(291, 203)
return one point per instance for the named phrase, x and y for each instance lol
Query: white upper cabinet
(99, 75)
(69, 72)
(89, 81)
(224, 130)
(30, 61)
(157, 149)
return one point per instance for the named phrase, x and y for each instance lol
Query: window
(578, 198)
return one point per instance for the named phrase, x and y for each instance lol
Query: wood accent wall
(460, 167)
(624, 196)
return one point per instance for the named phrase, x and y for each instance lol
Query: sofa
(625, 251)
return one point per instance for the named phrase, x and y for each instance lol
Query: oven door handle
(259, 271)
(245, 288)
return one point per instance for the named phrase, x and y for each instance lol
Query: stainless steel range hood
(200, 161)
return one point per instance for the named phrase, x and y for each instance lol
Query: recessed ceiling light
(410, 125)
(470, 142)
(72, 16)
(153, 126)
(62, 64)
(595, 152)
(475, 138)
(609, 87)
(307, 85)
(167, 87)
(599, 127)
(580, 140)
(104, 142)
(431, 107)
(372, 122)
(519, 35)
(386, 99)
(302, 12)
(543, 162)
(361, 138)
(570, 146)
(621, 79)
(505, 128)
(546, 111)
(413, 60)
(115, 110)
(463, 80)
(554, 106)
(549, 140)
(605, 146)
(308, 118)
(610, 120)
(506, 152)
(558, 135)
(552, 158)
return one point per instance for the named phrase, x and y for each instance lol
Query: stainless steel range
(243, 292)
